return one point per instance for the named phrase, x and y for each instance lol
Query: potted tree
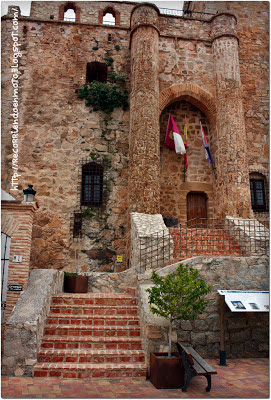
(179, 295)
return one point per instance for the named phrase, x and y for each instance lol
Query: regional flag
(206, 146)
(174, 141)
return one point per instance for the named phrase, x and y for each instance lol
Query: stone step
(193, 242)
(99, 320)
(83, 330)
(92, 335)
(93, 310)
(90, 370)
(91, 356)
(91, 342)
(95, 299)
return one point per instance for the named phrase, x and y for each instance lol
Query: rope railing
(181, 13)
(206, 237)
(171, 11)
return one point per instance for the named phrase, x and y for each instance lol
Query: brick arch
(191, 93)
(110, 10)
(64, 7)
(9, 224)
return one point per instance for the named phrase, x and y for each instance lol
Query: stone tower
(233, 193)
(144, 182)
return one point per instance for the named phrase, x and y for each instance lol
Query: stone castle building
(209, 65)
(92, 170)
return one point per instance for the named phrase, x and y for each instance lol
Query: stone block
(186, 325)
(260, 334)
(240, 336)
(198, 338)
(213, 337)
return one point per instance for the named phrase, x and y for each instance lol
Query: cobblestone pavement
(242, 378)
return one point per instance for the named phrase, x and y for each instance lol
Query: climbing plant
(100, 96)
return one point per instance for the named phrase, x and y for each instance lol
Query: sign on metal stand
(239, 301)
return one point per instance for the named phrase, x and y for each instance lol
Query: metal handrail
(203, 237)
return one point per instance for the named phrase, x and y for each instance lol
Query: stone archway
(194, 102)
(193, 94)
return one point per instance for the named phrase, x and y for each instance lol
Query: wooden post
(222, 332)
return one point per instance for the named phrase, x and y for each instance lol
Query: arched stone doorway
(176, 181)
(196, 104)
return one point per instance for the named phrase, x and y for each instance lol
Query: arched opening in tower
(193, 183)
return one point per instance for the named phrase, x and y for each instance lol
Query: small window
(92, 185)
(257, 190)
(96, 71)
(109, 19)
(109, 16)
(69, 13)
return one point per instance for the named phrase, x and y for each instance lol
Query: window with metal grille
(96, 71)
(257, 190)
(92, 185)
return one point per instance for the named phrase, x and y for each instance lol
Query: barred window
(92, 185)
(257, 190)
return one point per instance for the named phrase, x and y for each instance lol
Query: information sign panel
(246, 300)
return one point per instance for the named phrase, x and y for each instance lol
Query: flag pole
(184, 169)
(214, 169)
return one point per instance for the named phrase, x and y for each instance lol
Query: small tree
(179, 295)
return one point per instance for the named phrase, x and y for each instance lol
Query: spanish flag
(208, 155)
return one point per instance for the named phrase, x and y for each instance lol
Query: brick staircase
(192, 242)
(92, 335)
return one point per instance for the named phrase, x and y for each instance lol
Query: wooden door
(197, 207)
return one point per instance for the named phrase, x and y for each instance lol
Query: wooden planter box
(75, 284)
(166, 372)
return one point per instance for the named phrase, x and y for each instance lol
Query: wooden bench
(194, 365)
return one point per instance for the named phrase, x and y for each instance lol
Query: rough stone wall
(150, 242)
(24, 328)
(60, 131)
(254, 69)
(88, 15)
(246, 333)
(182, 60)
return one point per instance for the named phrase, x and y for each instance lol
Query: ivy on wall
(103, 96)
(100, 96)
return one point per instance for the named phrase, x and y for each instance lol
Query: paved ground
(243, 378)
